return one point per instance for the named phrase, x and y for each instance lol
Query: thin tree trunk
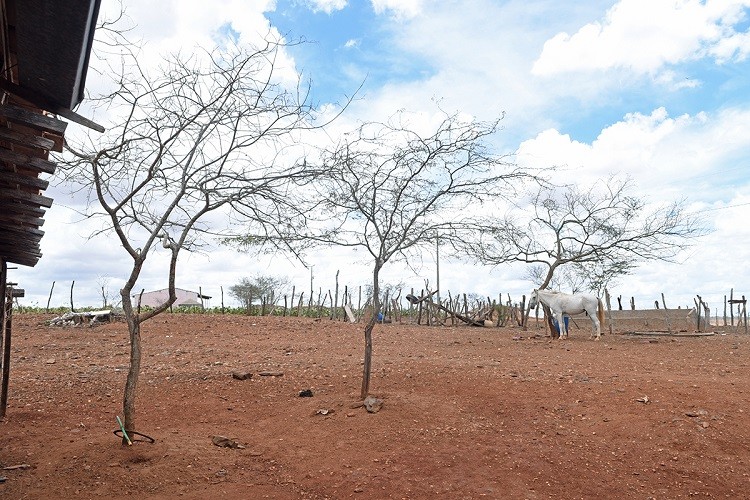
(366, 370)
(131, 384)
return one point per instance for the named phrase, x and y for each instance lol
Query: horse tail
(600, 312)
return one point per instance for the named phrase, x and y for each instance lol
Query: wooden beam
(25, 161)
(14, 207)
(19, 219)
(32, 199)
(42, 102)
(11, 233)
(23, 259)
(23, 180)
(28, 140)
(37, 121)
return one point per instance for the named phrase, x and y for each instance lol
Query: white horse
(563, 303)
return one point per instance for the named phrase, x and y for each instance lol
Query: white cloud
(400, 9)
(327, 6)
(665, 156)
(644, 35)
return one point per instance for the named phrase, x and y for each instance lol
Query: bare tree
(201, 135)
(391, 190)
(587, 238)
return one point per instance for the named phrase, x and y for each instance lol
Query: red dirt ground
(468, 413)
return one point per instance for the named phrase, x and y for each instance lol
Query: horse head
(533, 299)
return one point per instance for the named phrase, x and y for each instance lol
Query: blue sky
(656, 89)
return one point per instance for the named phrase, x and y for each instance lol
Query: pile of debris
(86, 318)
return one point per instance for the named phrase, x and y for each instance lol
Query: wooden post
(698, 310)
(663, 302)
(725, 310)
(336, 303)
(50, 296)
(320, 307)
(419, 311)
(411, 308)
(707, 315)
(731, 304)
(499, 309)
(7, 307)
(71, 296)
(222, 299)
(744, 312)
(608, 300)
(666, 317)
(632, 303)
(312, 290)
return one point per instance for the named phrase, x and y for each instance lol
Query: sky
(658, 90)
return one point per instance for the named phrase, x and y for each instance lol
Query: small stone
(306, 393)
(696, 413)
(225, 442)
(373, 404)
(242, 375)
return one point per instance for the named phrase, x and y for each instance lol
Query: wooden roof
(45, 50)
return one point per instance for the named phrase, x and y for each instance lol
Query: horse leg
(596, 334)
(561, 325)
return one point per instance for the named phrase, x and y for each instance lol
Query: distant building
(158, 297)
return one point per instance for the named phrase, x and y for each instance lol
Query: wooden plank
(23, 259)
(32, 199)
(31, 246)
(23, 180)
(7, 206)
(19, 219)
(349, 314)
(21, 232)
(26, 161)
(29, 140)
(11, 246)
(32, 119)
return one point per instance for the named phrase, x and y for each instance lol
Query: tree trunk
(366, 370)
(131, 384)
